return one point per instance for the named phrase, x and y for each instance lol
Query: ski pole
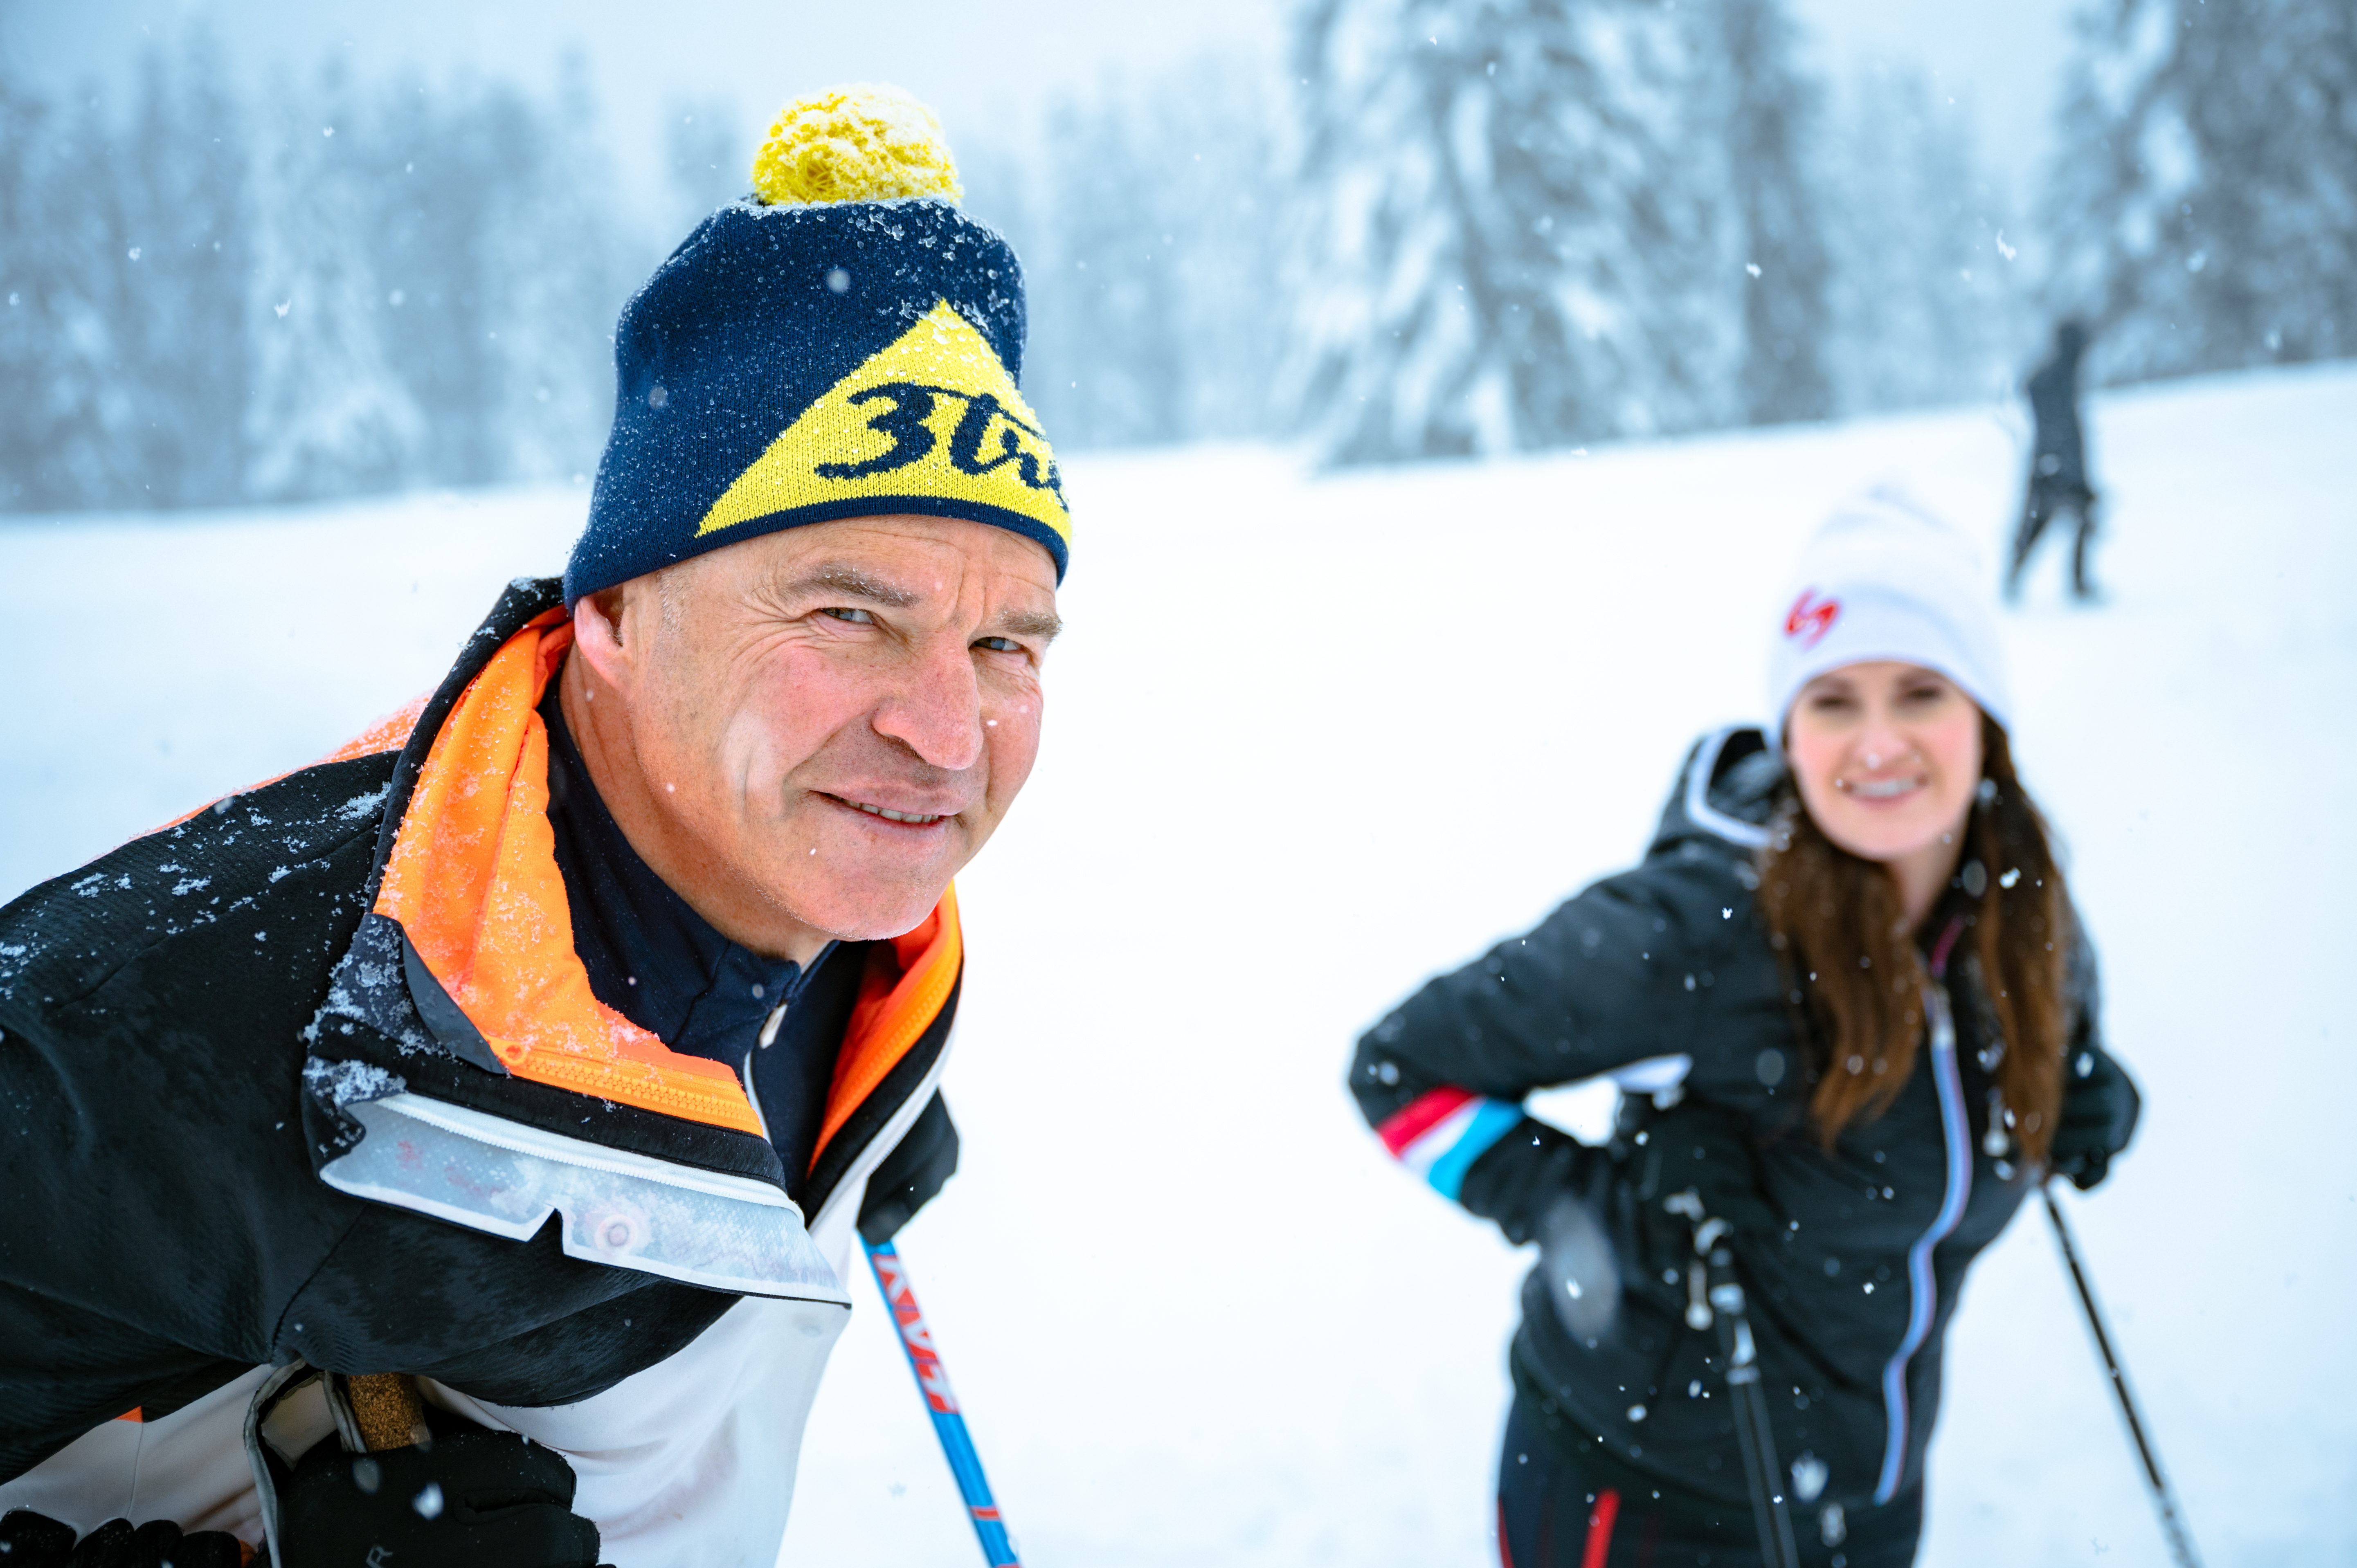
(1753, 1435)
(933, 1383)
(1713, 1292)
(2164, 1496)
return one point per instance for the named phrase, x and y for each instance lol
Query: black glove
(471, 1499)
(925, 1158)
(28, 1540)
(2100, 1105)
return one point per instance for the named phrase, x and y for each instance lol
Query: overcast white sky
(982, 66)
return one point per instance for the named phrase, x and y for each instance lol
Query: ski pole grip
(386, 1407)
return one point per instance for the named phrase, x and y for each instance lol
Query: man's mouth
(914, 819)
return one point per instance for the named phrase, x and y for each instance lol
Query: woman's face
(1887, 757)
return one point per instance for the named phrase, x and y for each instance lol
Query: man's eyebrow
(849, 582)
(1041, 624)
(841, 579)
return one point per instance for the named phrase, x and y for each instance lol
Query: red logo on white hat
(1811, 617)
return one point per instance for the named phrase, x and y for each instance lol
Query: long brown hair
(1856, 978)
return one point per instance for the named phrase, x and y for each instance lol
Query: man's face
(817, 728)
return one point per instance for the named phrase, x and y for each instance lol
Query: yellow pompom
(855, 143)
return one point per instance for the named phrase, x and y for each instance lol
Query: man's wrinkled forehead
(1028, 612)
(897, 563)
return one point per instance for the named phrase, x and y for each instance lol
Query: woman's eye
(1000, 645)
(856, 618)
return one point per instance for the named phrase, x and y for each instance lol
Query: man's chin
(873, 924)
(856, 905)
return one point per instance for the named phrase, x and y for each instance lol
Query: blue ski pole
(933, 1382)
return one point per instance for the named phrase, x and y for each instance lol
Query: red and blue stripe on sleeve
(1439, 1135)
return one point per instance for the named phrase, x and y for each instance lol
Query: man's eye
(856, 618)
(1000, 645)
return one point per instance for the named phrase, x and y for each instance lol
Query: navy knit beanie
(843, 343)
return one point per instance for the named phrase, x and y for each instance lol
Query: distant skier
(2057, 462)
(1855, 1018)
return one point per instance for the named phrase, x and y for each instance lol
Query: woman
(1850, 975)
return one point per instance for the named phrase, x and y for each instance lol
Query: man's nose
(937, 710)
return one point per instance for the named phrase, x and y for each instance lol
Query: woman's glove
(2100, 1105)
(1583, 1277)
(469, 1499)
(28, 1540)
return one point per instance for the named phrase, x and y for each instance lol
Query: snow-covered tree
(2204, 204)
(705, 159)
(45, 316)
(183, 321)
(364, 286)
(329, 413)
(1152, 223)
(1106, 354)
(1771, 113)
(450, 164)
(1231, 192)
(124, 338)
(1926, 301)
(1521, 238)
(560, 272)
(105, 396)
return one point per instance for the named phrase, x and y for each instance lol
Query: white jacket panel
(690, 1464)
(189, 1467)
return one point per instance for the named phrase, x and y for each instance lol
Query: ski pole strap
(933, 1384)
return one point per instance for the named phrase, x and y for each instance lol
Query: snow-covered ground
(1311, 739)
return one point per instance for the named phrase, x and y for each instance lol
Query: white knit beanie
(1886, 579)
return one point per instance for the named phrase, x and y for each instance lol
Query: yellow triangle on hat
(933, 415)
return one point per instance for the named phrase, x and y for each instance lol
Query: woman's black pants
(1552, 1515)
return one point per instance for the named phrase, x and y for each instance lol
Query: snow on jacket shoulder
(1664, 976)
(315, 1073)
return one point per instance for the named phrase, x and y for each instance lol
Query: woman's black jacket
(1672, 959)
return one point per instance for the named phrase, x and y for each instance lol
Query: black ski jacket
(190, 1028)
(1852, 1262)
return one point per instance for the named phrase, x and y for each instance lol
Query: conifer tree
(1770, 130)
(1926, 305)
(561, 274)
(1520, 242)
(34, 306)
(1107, 356)
(703, 155)
(329, 413)
(183, 325)
(2204, 207)
(1153, 231)
(88, 233)
(449, 164)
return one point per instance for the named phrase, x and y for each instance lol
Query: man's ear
(597, 634)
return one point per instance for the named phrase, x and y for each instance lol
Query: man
(2058, 463)
(524, 1067)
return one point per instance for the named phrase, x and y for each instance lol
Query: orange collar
(473, 881)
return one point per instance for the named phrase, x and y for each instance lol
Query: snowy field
(1311, 739)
